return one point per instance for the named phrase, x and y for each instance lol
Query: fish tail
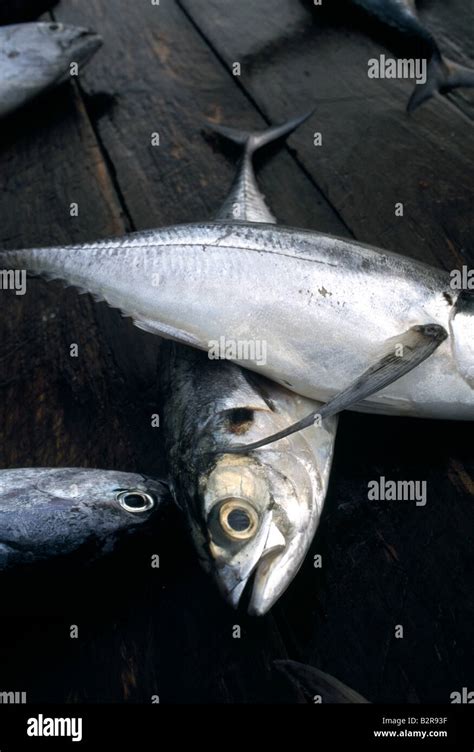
(443, 76)
(311, 681)
(42, 262)
(251, 141)
(31, 260)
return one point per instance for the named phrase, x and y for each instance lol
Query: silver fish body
(252, 518)
(323, 306)
(275, 497)
(47, 512)
(36, 56)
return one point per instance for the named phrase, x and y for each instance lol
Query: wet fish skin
(36, 56)
(443, 75)
(48, 512)
(324, 306)
(281, 489)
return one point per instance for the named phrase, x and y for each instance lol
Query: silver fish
(36, 56)
(276, 496)
(252, 517)
(443, 75)
(325, 308)
(47, 512)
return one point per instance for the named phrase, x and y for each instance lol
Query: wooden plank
(158, 89)
(92, 410)
(388, 563)
(165, 632)
(452, 24)
(290, 57)
(186, 654)
(383, 565)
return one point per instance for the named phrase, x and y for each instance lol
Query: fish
(325, 309)
(37, 56)
(50, 512)
(318, 686)
(252, 519)
(443, 75)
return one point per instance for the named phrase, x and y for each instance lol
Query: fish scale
(324, 305)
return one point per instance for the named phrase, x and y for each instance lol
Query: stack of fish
(249, 442)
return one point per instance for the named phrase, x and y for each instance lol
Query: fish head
(258, 515)
(46, 512)
(108, 499)
(133, 498)
(69, 43)
(48, 49)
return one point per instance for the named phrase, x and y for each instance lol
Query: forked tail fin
(254, 140)
(443, 76)
(311, 681)
(245, 202)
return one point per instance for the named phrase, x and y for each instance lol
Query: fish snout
(86, 44)
(260, 521)
(77, 43)
(237, 576)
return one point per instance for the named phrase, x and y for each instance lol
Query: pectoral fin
(402, 354)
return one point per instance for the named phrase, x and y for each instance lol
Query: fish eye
(54, 27)
(238, 519)
(135, 501)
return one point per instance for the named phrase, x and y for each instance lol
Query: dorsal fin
(244, 201)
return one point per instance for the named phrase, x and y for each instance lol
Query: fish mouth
(274, 573)
(235, 576)
(79, 44)
(86, 44)
(259, 524)
(266, 581)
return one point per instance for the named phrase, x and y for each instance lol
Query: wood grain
(142, 631)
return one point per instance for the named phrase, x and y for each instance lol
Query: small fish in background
(443, 75)
(37, 56)
(48, 512)
(314, 683)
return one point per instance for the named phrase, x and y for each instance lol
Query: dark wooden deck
(141, 631)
